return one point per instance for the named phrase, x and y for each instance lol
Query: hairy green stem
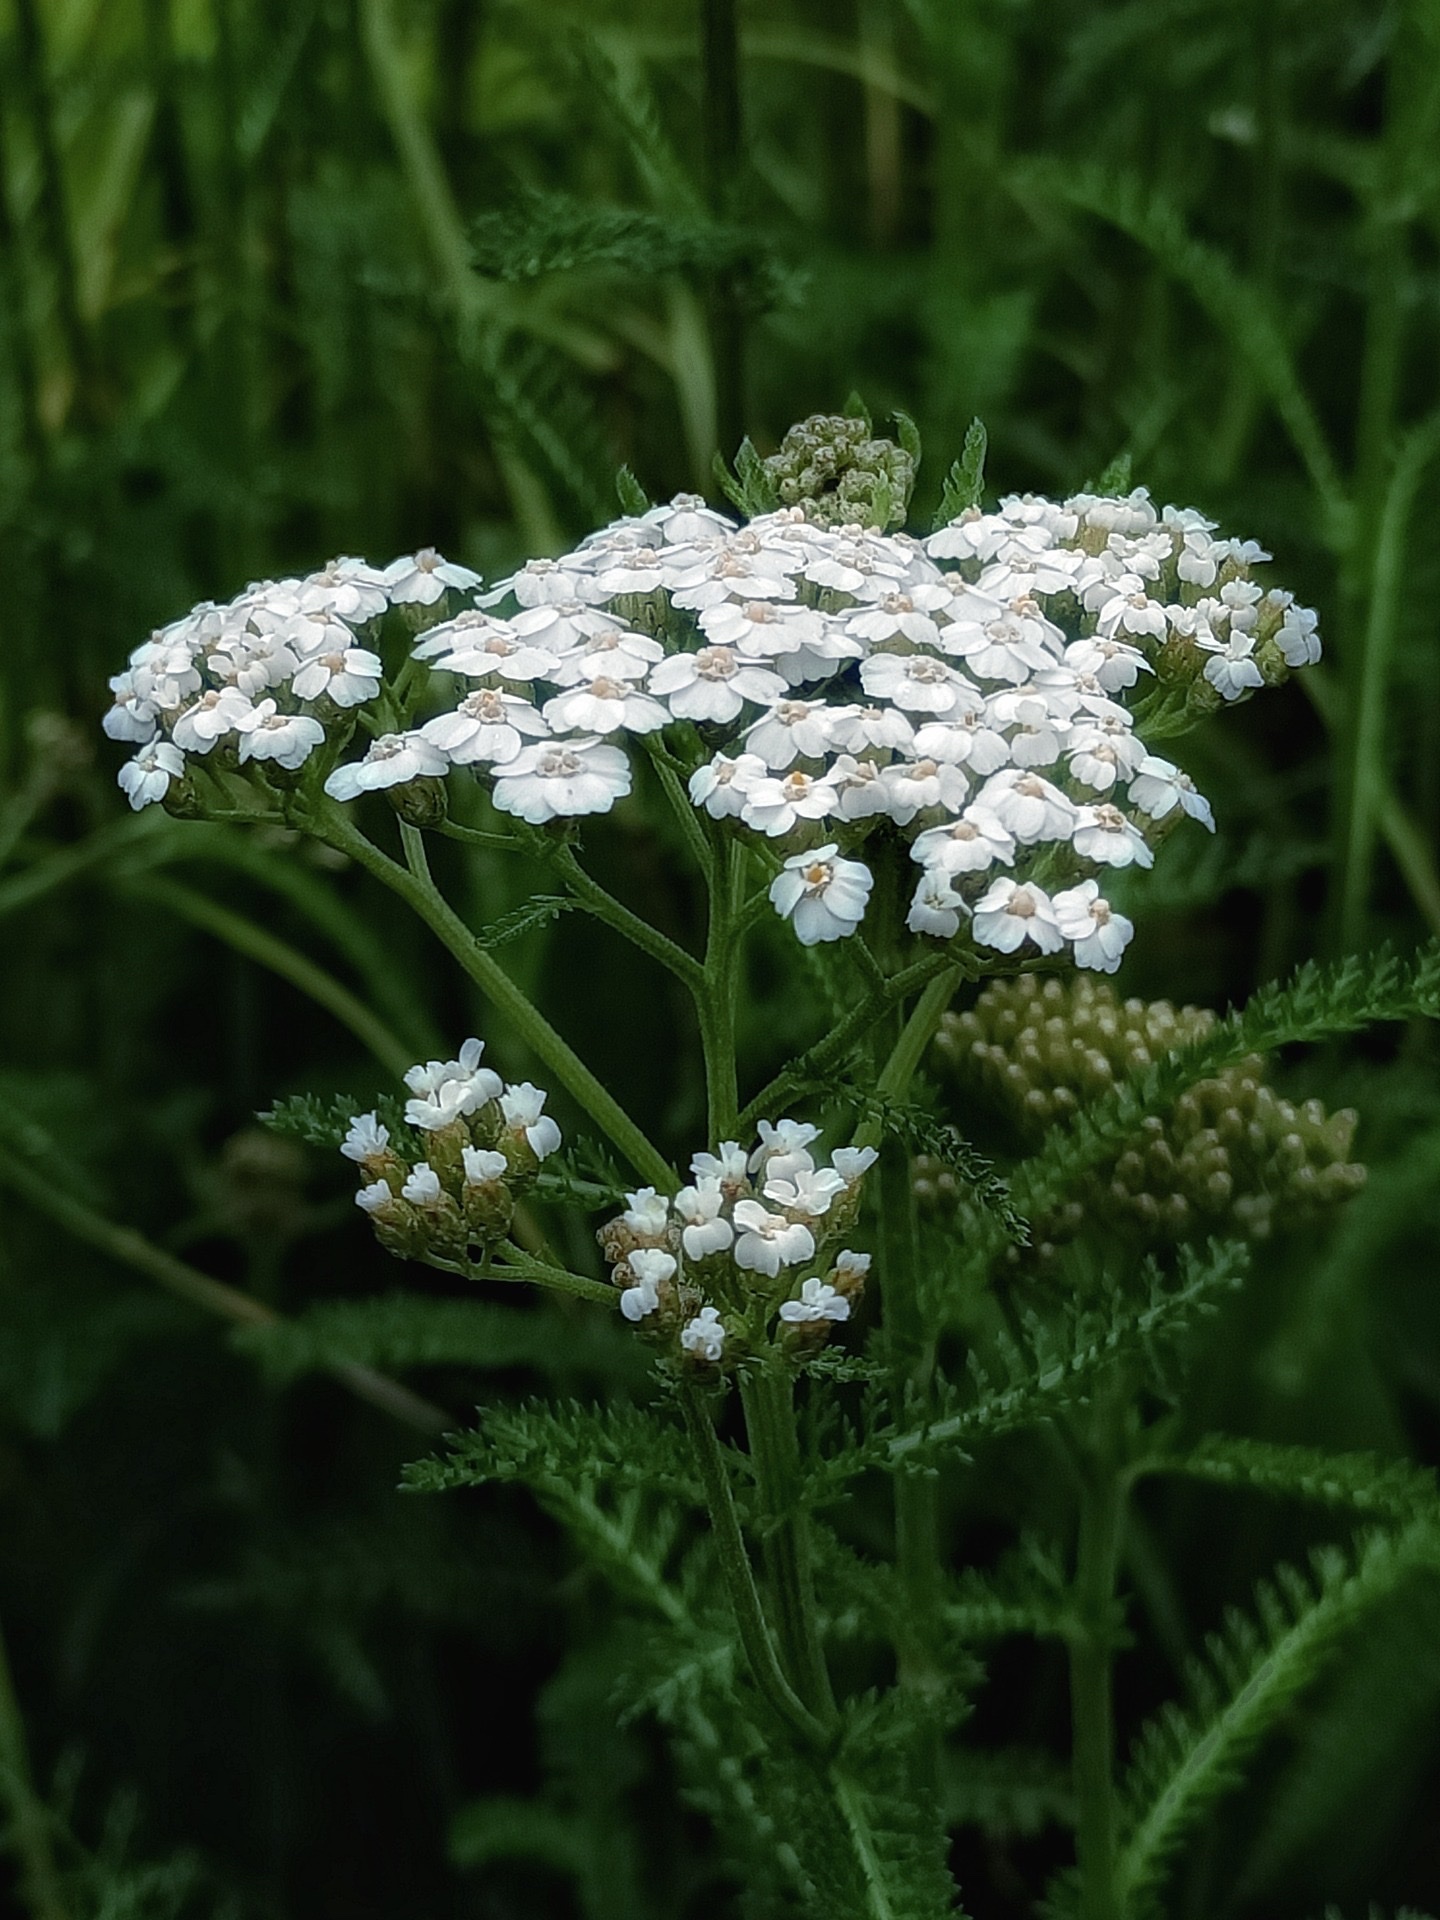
(131, 1249)
(413, 884)
(605, 907)
(521, 1265)
(1092, 1709)
(29, 1835)
(768, 1395)
(715, 1004)
(683, 809)
(739, 1579)
(910, 1352)
(828, 1052)
(878, 1904)
(720, 112)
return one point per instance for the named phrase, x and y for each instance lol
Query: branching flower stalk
(838, 713)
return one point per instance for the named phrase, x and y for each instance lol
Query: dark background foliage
(280, 280)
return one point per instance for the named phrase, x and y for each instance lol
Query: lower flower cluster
(747, 1252)
(484, 1144)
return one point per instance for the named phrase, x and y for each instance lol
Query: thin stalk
(1092, 1707)
(413, 884)
(878, 1904)
(281, 959)
(54, 204)
(544, 1273)
(1409, 847)
(131, 1249)
(1417, 450)
(15, 315)
(919, 1031)
(720, 114)
(828, 1052)
(715, 1003)
(739, 1579)
(910, 1355)
(683, 808)
(29, 1835)
(605, 907)
(769, 1399)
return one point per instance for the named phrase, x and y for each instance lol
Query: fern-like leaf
(1390, 1490)
(538, 911)
(397, 1330)
(322, 1121)
(965, 482)
(1189, 1756)
(544, 1446)
(632, 496)
(1011, 1794)
(1048, 1368)
(1316, 1003)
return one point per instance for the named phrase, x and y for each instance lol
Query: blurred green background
(281, 279)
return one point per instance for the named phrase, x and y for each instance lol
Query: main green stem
(1092, 1709)
(768, 1394)
(414, 885)
(740, 1579)
(910, 1351)
(715, 1002)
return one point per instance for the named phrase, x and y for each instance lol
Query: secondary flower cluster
(747, 1243)
(821, 682)
(266, 677)
(484, 1142)
(1229, 1153)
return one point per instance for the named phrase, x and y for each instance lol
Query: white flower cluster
(267, 675)
(967, 688)
(743, 1234)
(484, 1139)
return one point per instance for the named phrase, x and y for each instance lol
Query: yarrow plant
(927, 756)
(978, 696)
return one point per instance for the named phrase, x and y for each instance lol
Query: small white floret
(818, 1301)
(1007, 915)
(522, 1107)
(422, 1188)
(821, 894)
(366, 1138)
(1099, 934)
(704, 1336)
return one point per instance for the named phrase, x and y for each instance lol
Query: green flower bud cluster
(1230, 1154)
(840, 475)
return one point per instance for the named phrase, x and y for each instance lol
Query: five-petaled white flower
(366, 1138)
(823, 895)
(651, 1269)
(562, 779)
(704, 1336)
(523, 1108)
(1099, 934)
(706, 1230)
(1009, 914)
(392, 761)
(818, 1301)
(767, 1241)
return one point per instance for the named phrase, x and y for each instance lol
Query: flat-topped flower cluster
(485, 1142)
(818, 682)
(753, 1232)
